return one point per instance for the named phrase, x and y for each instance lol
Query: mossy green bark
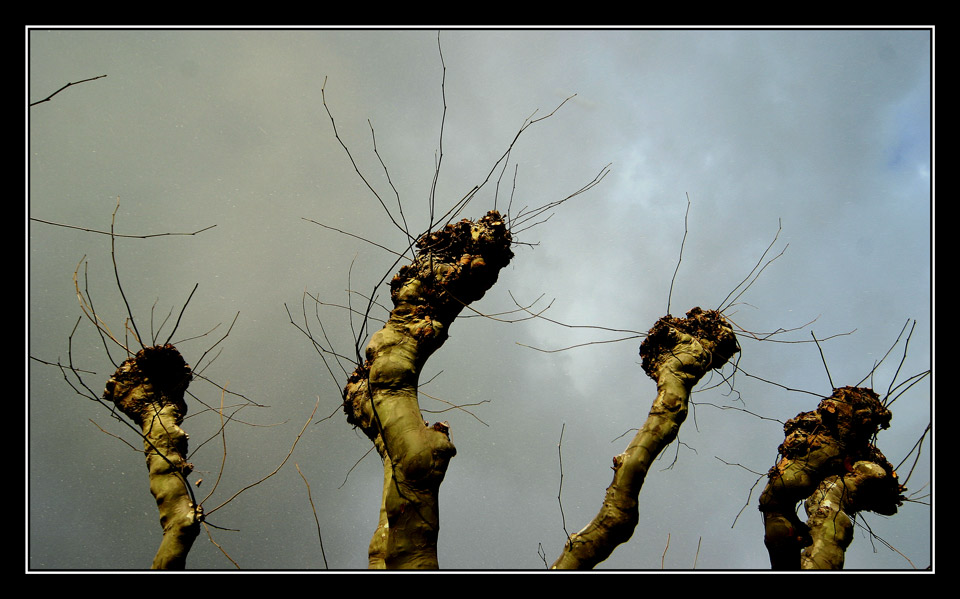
(677, 353)
(453, 267)
(149, 389)
(827, 461)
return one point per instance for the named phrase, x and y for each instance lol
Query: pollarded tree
(829, 460)
(677, 353)
(149, 387)
(453, 268)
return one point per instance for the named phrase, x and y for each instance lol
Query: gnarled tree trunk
(677, 353)
(149, 389)
(828, 462)
(453, 267)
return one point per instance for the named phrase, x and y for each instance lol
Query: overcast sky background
(825, 131)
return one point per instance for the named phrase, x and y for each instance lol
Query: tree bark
(828, 462)
(677, 353)
(453, 267)
(149, 389)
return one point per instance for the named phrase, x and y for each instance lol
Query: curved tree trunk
(149, 389)
(453, 267)
(677, 353)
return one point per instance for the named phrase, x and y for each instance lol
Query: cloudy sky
(825, 132)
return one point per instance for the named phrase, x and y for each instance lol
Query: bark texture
(828, 461)
(452, 268)
(677, 353)
(149, 389)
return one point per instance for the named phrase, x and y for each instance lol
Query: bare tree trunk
(453, 267)
(828, 462)
(676, 354)
(149, 389)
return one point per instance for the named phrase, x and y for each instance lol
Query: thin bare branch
(738, 409)
(576, 345)
(683, 241)
(769, 382)
(316, 519)
(461, 407)
(354, 162)
(153, 334)
(906, 384)
(48, 98)
(116, 272)
(277, 469)
(225, 335)
(316, 345)
(86, 306)
(663, 557)
(355, 236)
(222, 433)
(569, 326)
(206, 526)
(386, 173)
(823, 359)
(917, 447)
(145, 236)
(518, 224)
(530, 121)
(862, 523)
(240, 395)
(355, 464)
(906, 346)
(182, 310)
(563, 518)
(768, 337)
(443, 121)
(724, 305)
(117, 437)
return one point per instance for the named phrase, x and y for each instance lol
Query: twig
(206, 526)
(182, 310)
(355, 236)
(452, 406)
(47, 99)
(563, 518)
(724, 305)
(355, 464)
(443, 121)
(277, 469)
(686, 216)
(116, 272)
(146, 236)
(664, 556)
(918, 446)
(576, 345)
(356, 168)
(317, 520)
(569, 326)
(823, 359)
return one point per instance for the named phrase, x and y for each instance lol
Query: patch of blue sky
(909, 147)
